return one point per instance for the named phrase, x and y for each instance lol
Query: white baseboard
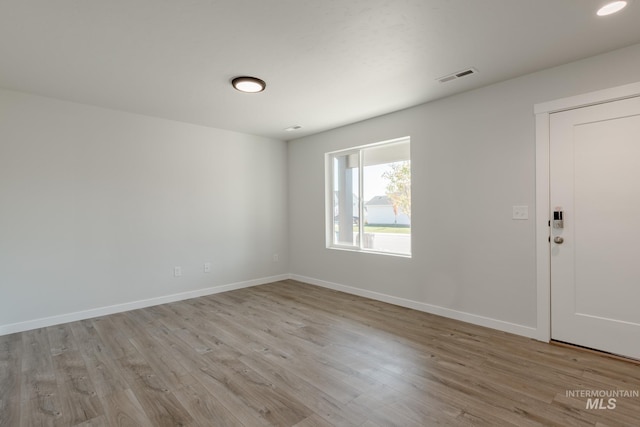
(415, 305)
(119, 308)
(475, 319)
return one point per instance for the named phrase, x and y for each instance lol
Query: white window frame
(329, 197)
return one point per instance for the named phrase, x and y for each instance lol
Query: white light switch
(520, 212)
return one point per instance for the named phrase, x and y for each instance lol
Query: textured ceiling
(327, 63)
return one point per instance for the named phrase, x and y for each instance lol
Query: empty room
(319, 213)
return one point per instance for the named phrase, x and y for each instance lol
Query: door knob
(559, 240)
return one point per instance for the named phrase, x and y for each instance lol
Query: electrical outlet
(207, 267)
(276, 257)
(520, 212)
(177, 271)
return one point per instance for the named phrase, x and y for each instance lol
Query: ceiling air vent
(457, 75)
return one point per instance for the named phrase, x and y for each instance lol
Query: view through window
(369, 198)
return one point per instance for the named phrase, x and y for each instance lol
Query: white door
(595, 258)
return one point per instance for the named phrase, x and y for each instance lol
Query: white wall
(473, 158)
(98, 206)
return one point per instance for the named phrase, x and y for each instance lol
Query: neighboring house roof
(379, 201)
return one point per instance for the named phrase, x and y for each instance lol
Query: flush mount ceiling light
(248, 84)
(293, 128)
(611, 8)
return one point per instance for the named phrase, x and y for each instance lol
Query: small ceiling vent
(457, 75)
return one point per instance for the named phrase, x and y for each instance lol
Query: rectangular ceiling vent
(457, 75)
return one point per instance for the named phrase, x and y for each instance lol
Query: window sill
(369, 251)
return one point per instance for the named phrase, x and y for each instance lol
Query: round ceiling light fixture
(248, 84)
(611, 8)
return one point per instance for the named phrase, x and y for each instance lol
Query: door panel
(595, 271)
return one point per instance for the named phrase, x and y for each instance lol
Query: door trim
(542, 112)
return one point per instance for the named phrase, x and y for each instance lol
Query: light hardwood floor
(291, 354)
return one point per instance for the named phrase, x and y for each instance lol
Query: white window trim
(329, 185)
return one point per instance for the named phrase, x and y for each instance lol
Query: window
(369, 198)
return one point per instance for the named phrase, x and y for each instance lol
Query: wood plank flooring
(291, 354)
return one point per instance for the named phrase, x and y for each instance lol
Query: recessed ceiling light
(292, 128)
(248, 84)
(612, 7)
